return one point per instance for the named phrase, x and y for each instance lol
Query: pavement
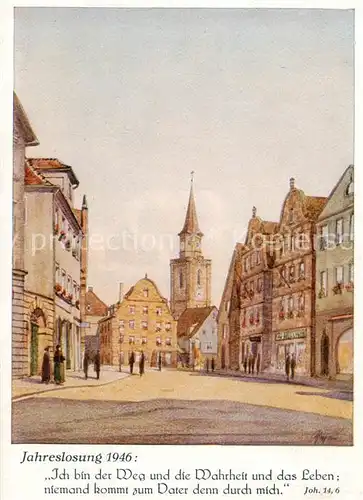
(177, 407)
(31, 386)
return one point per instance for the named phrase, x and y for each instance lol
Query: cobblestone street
(172, 407)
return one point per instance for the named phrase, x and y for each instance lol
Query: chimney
(254, 211)
(121, 293)
(292, 183)
(90, 288)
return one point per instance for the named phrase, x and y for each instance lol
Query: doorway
(345, 353)
(325, 355)
(34, 328)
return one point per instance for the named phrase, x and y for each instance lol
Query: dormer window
(146, 292)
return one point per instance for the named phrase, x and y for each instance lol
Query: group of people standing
(211, 364)
(87, 361)
(132, 360)
(59, 369)
(251, 363)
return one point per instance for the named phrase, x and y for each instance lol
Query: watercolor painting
(183, 226)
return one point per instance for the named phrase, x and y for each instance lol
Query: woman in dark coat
(97, 364)
(58, 365)
(46, 366)
(142, 364)
(86, 364)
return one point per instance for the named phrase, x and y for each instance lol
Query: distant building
(335, 281)
(53, 241)
(197, 336)
(96, 310)
(190, 273)
(23, 137)
(141, 321)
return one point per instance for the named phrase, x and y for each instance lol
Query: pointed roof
(192, 319)
(94, 305)
(191, 225)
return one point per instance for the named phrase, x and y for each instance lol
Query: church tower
(190, 273)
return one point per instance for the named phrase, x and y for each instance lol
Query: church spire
(191, 225)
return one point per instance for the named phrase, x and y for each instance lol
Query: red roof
(31, 178)
(94, 305)
(192, 319)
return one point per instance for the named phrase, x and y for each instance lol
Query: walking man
(46, 366)
(245, 363)
(293, 366)
(97, 364)
(86, 364)
(212, 364)
(131, 362)
(58, 365)
(287, 366)
(142, 364)
(159, 361)
(207, 365)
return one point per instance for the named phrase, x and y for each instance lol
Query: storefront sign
(291, 335)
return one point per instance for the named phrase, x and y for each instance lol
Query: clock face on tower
(199, 294)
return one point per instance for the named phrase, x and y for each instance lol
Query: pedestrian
(159, 361)
(142, 364)
(97, 362)
(120, 362)
(207, 365)
(293, 366)
(46, 366)
(58, 365)
(213, 364)
(245, 364)
(258, 363)
(253, 362)
(86, 361)
(287, 366)
(131, 362)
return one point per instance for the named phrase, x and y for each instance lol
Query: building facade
(96, 310)
(53, 240)
(256, 294)
(190, 273)
(293, 302)
(335, 281)
(23, 137)
(198, 336)
(142, 321)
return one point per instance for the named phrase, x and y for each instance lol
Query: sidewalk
(30, 386)
(321, 383)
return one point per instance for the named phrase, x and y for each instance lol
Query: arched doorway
(37, 323)
(325, 355)
(345, 353)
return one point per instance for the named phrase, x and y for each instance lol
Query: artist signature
(321, 437)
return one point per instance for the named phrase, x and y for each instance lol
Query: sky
(136, 99)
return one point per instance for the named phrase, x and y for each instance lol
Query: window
(145, 310)
(64, 280)
(248, 263)
(158, 341)
(339, 232)
(57, 274)
(324, 233)
(245, 265)
(290, 303)
(132, 324)
(167, 326)
(292, 273)
(339, 274)
(259, 284)
(132, 309)
(208, 346)
(144, 325)
(291, 216)
(144, 340)
(292, 242)
(146, 292)
(252, 260)
(168, 341)
(350, 187)
(132, 340)
(258, 257)
(252, 287)
(199, 277)
(225, 331)
(69, 285)
(158, 326)
(302, 270)
(88, 307)
(181, 280)
(351, 272)
(159, 311)
(301, 302)
(323, 283)
(351, 227)
(121, 325)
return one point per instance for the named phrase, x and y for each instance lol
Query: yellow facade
(141, 322)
